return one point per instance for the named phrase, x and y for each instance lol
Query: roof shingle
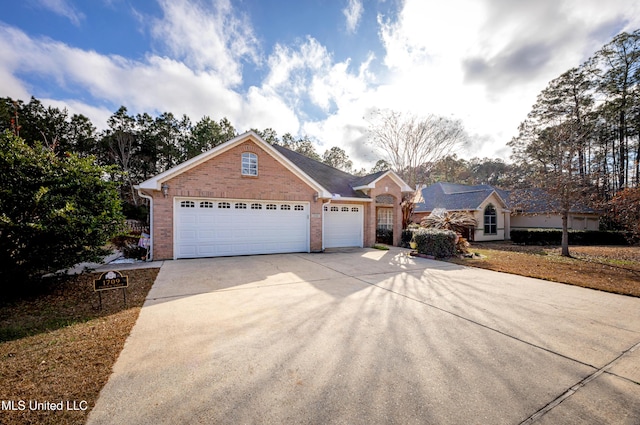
(335, 181)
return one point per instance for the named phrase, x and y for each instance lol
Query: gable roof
(454, 197)
(329, 182)
(156, 181)
(537, 201)
(460, 197)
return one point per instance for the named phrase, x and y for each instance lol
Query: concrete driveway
(365, 336)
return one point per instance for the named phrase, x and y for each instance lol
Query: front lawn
(56, 345)
(607, 268)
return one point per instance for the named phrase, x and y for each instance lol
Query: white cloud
(209, 37)
(483, 61)
(63, 8)
(353, 13)
(156, 84)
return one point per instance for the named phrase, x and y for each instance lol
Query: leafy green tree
(55, 210)
(269, 135)
(207, 134)
(550, 145)
(617, 69)
(303, 145)
(122, 145)
(337, 158)
(381, 165)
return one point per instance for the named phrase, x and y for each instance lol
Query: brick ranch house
(246, 196)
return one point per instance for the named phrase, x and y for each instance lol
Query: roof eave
(404, 187)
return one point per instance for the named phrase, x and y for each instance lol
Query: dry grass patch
(58, 346)
(607, 268)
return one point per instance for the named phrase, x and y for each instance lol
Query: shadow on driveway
(367, 337)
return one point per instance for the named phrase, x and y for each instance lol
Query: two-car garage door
(225, 227)
(222, 227)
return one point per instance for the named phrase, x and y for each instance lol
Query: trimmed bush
(436, 242)
(576, 237)
(407, 234)
(384, 236)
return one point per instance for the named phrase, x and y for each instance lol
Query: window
(206, 204)
(298, 208)
(249, 164)
(285, 207)
(490, 220)
(334, 208)
(385, 218)
(224, 205)
(355, 209)
(345, 209)
(187, 204)
(256, 206)
(271, 207)
(241, 206)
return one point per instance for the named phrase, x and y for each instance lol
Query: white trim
(150, 198)
(350, 199)
(404, 187)
(323, 221)
(177, 199)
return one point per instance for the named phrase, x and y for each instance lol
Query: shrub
(576, 237)
(439, 243)
(407, 236)
(55, 210)
(384, 236)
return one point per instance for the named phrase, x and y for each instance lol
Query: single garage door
(222, 227)
(343, 225)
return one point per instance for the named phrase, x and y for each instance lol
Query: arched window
(490, 220)
(249, 164)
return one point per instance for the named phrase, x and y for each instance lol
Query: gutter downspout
(150, 198)
(323, 205)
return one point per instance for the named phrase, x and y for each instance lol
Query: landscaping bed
(57, 345)
(607, 268)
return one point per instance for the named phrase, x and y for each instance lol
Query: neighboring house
(485, 203)
(246, 196)
(498, 211)
(532, 209)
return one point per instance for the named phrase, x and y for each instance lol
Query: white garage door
(222, 227)
(343, 225)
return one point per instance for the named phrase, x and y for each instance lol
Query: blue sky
(315, 67)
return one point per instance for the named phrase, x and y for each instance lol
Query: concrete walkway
(368, 337)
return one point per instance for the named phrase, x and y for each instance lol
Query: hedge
(384, 236)
(436, 242)
(576, 237)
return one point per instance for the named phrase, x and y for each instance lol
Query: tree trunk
(565, 234)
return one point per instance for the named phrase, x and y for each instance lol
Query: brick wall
(221, 177)
(385, 186)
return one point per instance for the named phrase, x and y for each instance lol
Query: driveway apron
(365, 336)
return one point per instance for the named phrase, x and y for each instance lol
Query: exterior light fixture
(165, 189)
(315, 197)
